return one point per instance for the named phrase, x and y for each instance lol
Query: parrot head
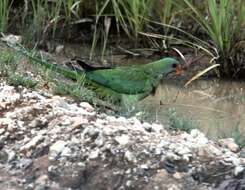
(172, 66)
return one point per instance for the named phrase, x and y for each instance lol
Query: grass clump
(179, 123)
(8, 62)
(21, 80)
(223, 22)
(234, 133)
(77, 91)
(8, 70)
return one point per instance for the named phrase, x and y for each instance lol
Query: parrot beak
(178, 70)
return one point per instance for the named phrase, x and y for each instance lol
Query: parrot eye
(174, 65)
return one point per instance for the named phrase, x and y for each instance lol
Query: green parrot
(124, 84)
(131, 80)
(130, 83)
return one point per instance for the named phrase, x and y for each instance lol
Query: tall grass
(101, 9)
(165, 12)
(223, 23)
(164, 15)
(43, 16)
(136, 13)
(130, 16)
(40, 19)
(5, 7)
(71, 8)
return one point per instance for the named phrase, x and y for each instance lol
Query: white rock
(136, 122)
(82, 111)
(173, 187)
(56, 149)
(11, 155)
(94, 154)
(6, 121)
(172, 157)
(163, 144)
(59, 48)
(178, 175)
(199, 136)
(66, 152)
(232, 160)
(144, 166)
(33, 142)
(100, 140)
(146, 126)
(158, 150)
(182, 150)
(186, 157)
(238, 170)
(42, 180)
(75, 140)
(111, 119)
(34, 123)
(66, 122)
(12, 39)
(157, 128)
(123, 139)
(230, 144)
(122, 120)
(130, 157)
(128, 183)
(87, 106)
(8, 95)
(79, 121)
(2, 130)
(195, 133)
(91, 131)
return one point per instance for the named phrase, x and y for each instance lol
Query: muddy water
(217, 107)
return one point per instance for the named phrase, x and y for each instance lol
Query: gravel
(52, 142)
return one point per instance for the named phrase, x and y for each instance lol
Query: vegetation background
(215, 27)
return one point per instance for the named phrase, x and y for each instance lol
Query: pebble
(56, 149)
(238, 170)
(147, 126)
(11, 155)
(130, 157)
(78, 122)
(66, 152)
(230, 144)
(42, 180)
(144, 166)
(172, 156)
(59, 49)
(122, 140)
(32, 143)
(157, 128)
(2, 130)
(35, 123)
(12, 39)
(201, 139)
(178, 175)
(87, 106)
(94, 154)
(100, 140)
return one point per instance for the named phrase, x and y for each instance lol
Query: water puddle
(215, 106)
